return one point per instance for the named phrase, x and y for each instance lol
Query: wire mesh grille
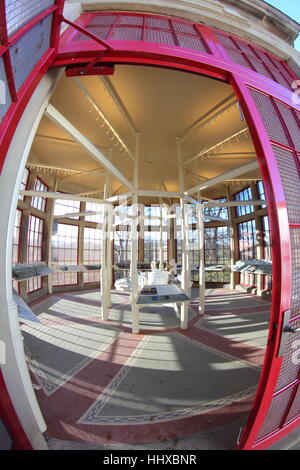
(260, 68)
(5, 100)
(238, 58)
(191, 42)
(295, 242)
(291, 123)
(290, 180)
(276, 413)
(290, 368)
(281, 79)
(28, 51)
(152, 22)
(226, 40)
(162, 37)
(100, 31)
(145, 28)
(270, 117)
(240, 51)
(295, 409)
(183, 27)
(130, 20)
(127, 34)
(19, 13)
(99, 20)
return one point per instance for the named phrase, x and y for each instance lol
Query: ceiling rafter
(206, 151)
(53, 114)
(210, 116)
(118, 102)
(224, 176)
(106, 122)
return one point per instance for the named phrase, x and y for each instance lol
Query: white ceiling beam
(68, 197)
(223, 177)
(209, 116)
(77, 214)
(146, 193)
(93, 151)
(222, 142)
(104, 118)
(60, 141)
(260, 202)
(47, 166)
(118, 101)
(87, 193)
(119, 197)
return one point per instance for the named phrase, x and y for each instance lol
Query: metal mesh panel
(276, 413)
(226, 41)
(264, 57)
(238, 58)
(191, 42)
(102, 20)
(284, 70)
(290, 180)
(295, 409)
(184, 28)
(131, 20)
(295, 243)
(27, 52)
(158, 23)
(246, 49)
(289, 369)
(20, 12)
(261, 68)
(101, 32)
(162, 37)
(127, 34)
(269, 117)
(5, 100)
(281, 79)
(291, 123)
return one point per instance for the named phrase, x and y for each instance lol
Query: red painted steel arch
(262, 83)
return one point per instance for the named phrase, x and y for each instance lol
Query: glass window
(217, 245)
(39, 202)
(218, 212)
(245, 195)
(261, 192)
(247, 248)
(64, 206)
(247, 240)
(152, 246)
(34, 249)
(65, 252)
(267, 248)
(24, 182)
(94, 207)
(92, 244)
(122, 251)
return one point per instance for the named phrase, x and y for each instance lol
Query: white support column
(134, 242)
(184, 273)
(109, 254)
(103, 280)
(200, 220)
(161, 248)
(50, 276)
(107, 194)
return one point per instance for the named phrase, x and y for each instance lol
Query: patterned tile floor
(99, 384)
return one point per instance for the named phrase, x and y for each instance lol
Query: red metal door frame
(216, 65)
